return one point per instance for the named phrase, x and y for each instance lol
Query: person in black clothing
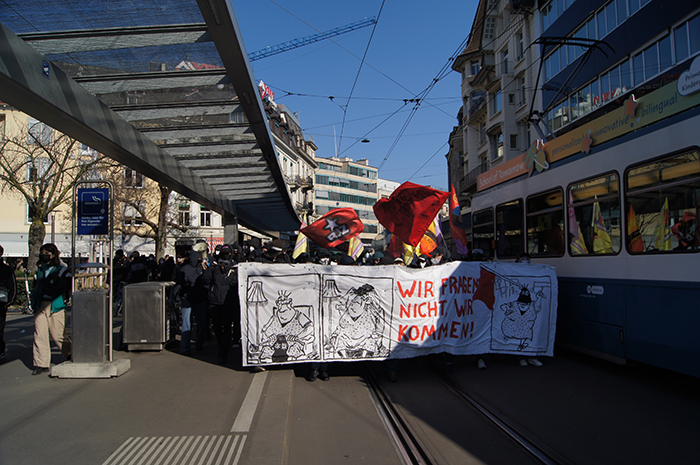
(138, 272)
(120, 267)
(168, 271)
(221, 277)
(8, 291)
(274, 252)
(193, 294)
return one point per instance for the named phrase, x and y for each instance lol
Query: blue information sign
(93, 211)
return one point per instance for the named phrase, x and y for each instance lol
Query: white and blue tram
(620, 224)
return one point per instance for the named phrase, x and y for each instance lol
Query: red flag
(458, 233)
(334, 228)
(485, 290)
(409, 211)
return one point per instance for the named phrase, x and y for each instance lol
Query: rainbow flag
(355, 247)
(601, 239)
(663, 229)
(634, 237)
(432, 237)
(302, 244)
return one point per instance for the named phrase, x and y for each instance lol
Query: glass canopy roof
(176, 71)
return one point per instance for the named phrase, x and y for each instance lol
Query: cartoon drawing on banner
(520, 318)
(521, 300)
(288, 333)
(356, 323)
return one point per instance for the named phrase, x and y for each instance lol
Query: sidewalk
(175, 406)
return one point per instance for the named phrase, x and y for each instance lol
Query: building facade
(343, 183)
(499, 71)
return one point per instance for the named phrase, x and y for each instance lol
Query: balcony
(467, 184)
(299, 182)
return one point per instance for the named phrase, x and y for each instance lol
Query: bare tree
(42, 166)
(143, 208)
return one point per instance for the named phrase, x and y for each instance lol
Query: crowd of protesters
(206, 289)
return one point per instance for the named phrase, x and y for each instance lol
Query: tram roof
(155, 85)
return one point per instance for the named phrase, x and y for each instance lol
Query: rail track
(413, 452)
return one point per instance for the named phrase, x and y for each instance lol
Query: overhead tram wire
(444, 71)
(427, 161)
(357, 76)
(351, 53)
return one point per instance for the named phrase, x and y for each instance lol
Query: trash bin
(89, 328)
(149, 317)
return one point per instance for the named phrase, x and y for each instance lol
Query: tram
(620, 224)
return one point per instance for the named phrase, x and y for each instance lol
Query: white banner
(304, 313)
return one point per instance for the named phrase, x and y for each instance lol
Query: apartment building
(343, 182)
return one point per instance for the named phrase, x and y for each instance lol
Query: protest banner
(304, 312)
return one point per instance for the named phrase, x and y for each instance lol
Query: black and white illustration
(285, 319)
(355, 315)
(521, 315)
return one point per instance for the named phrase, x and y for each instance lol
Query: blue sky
(410, 45)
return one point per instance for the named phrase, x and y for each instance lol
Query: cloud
(689, 82)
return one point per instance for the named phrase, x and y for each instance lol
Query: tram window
(594, 216)
(662, 205)
(545, 224)
(482, 232)
(509, 229)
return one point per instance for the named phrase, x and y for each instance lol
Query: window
(183, 214)
(651, 61)
(132, 215)
(30, 215)
(321, 194)
(204, 216)
(475, 68)
(38, 133)
(489, 27)
(694, 34)
(662, 205)
(514, 142)
(638, 66)
(509, 229)
(594, 216)
(497, 145)
(2, 127)
(519, 46)
(482, 232)
(496, 102)
(132, 178)
(621, 10)
(482, 132)
(504, 59)
(680, 42)
(545, 224)
(520, 91)
(37, 169)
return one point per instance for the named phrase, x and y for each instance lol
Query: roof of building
(152, 84)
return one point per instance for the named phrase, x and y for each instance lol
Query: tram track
(409, 445)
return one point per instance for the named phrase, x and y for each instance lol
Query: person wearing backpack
(52, 289)
(8, 290)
